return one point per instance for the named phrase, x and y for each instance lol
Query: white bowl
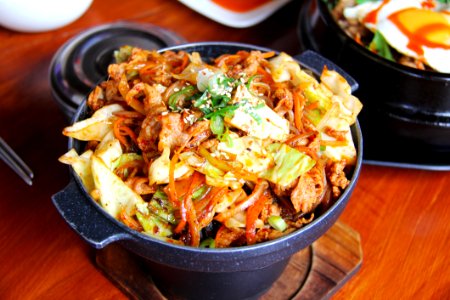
(40, 15)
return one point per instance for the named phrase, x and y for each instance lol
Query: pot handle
(86, 219)
(315, 62)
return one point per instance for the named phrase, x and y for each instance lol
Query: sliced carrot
(259, 189)
(188, 214)
(335, 143)
(299, 103)
(205, 212)
(266, 76)
(268, 54)
(252, 216)
(117, 134)
(129, 221)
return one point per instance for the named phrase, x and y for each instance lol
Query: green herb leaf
(380, 46)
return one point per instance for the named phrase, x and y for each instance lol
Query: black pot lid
(82, 62)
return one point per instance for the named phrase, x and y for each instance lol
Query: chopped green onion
(214, 103)
(180, 96)
(251, 110)
(220, 85)
(200, 192)
(224, 112)
(226, 137)
(217, 125)
(277, 222)
(159, 194)
(250, 81)
(208, 243)
(123, 54)
(220, 101)
(380, 46)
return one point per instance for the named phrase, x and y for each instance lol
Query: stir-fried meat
(284, 102)
(227, 237)
(115, 72)
(111, 91)
(159, 68)
(150, 129)
(177, 60)
(252, 63)
(211, 143)
(337, 177)
(309, 190)
(338, 135)
(283, 191)
(153, 102)
(200, 131)
(96, 99)
(267, 234)
(172, 131)
(270, 209)
(244, 63)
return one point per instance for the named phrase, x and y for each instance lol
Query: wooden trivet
(316, 272)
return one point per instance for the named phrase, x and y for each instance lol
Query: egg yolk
(423, 28)
(239, 5)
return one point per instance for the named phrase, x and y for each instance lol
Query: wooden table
(402, 215)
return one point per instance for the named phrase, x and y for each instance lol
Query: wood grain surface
(402, 215)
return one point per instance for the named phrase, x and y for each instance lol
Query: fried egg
(419, 29)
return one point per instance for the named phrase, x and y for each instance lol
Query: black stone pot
(406, 115)
(183, 272)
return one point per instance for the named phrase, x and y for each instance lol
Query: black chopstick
(15, 162)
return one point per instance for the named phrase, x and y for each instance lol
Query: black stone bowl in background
(183, 272)
(406, 115)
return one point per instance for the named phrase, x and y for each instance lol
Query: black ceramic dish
(406, 115)
(182, 272)
(82, 61)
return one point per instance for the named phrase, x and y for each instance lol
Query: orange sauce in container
(240, 6)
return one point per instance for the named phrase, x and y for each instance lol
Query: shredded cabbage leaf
(289, 164)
